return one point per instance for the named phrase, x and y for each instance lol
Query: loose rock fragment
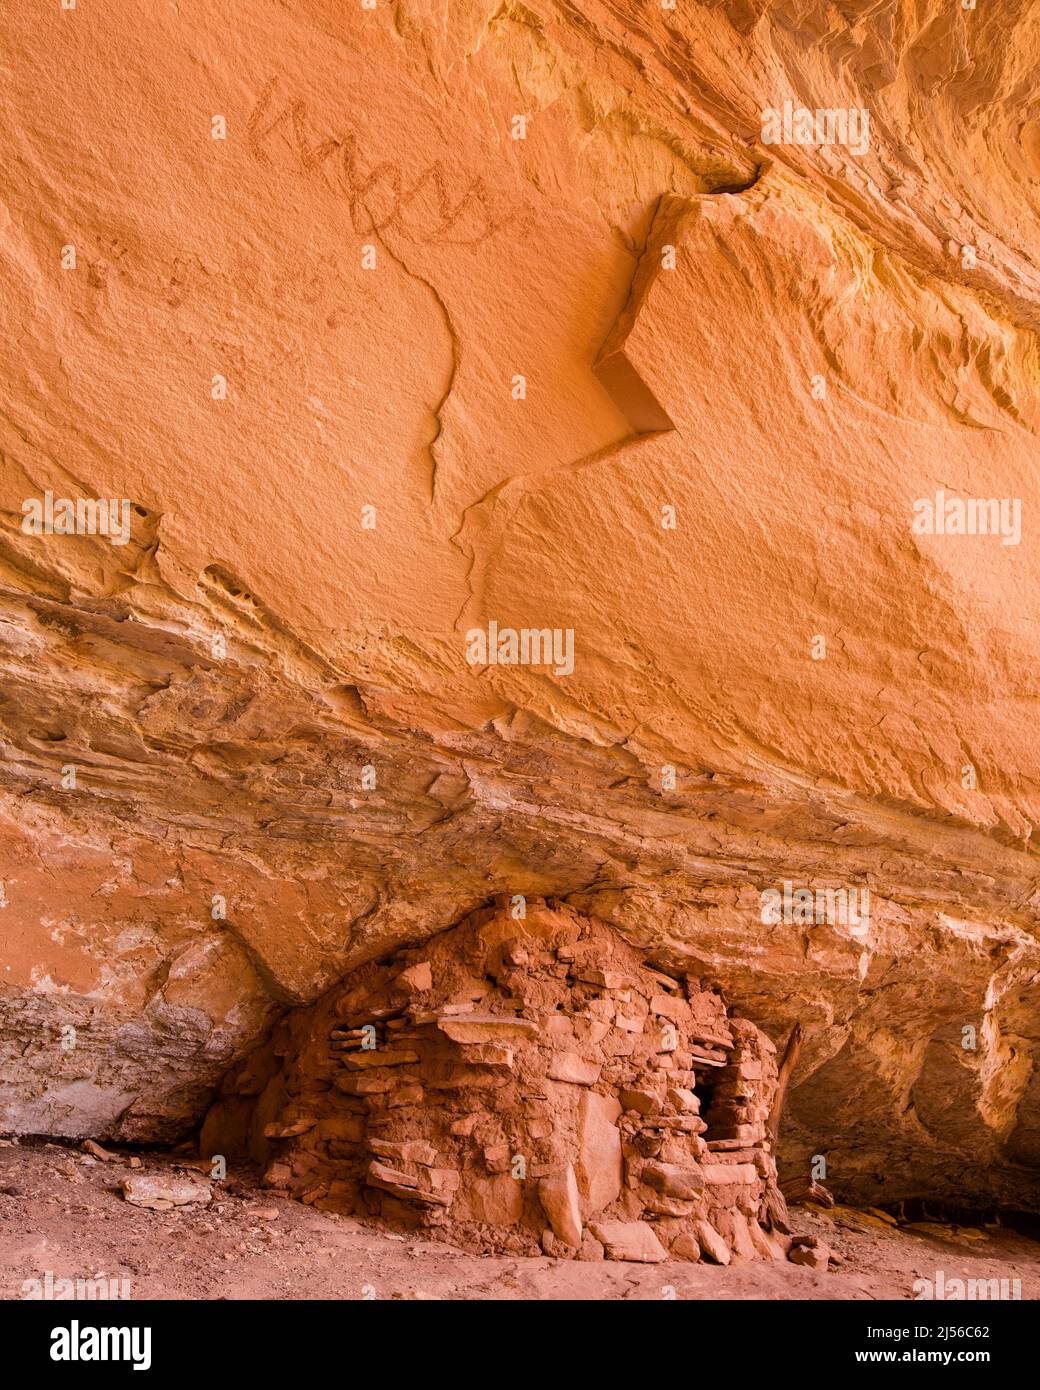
(629, 1240)
(162, 1193)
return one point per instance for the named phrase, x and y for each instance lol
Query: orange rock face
(527, 449)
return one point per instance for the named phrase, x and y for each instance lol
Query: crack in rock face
(494, 456)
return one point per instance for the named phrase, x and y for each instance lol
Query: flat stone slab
(162, 1193)
(478, 1028)
(629, 1240)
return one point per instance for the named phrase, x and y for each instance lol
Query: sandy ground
(61, 1210)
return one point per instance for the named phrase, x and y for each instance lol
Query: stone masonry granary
(522, 1083)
